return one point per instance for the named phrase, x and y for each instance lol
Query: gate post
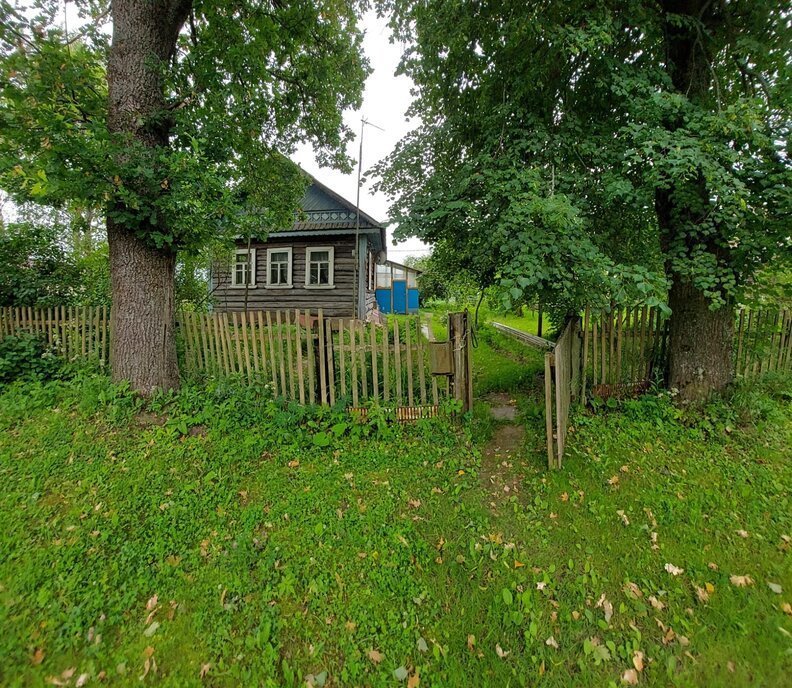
(459, 335)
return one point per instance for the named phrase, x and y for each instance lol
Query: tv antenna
(363, 124)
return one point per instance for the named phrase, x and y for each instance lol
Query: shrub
(26, 356)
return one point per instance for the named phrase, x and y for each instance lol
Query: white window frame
(331, 271)
(251, 267)
(289, 267)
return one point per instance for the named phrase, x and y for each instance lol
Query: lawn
(218, 538)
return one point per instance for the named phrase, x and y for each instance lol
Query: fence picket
(374, 363)
(320, 325)
(397, 360)
(330, 356)
(298, 347)
(409, 361)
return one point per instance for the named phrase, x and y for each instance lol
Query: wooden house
(310, 265)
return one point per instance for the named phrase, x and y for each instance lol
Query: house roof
(324, 210)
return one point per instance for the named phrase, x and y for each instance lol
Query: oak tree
(172, 117)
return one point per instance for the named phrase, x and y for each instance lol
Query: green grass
(282, 543)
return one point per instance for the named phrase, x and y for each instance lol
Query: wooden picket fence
(308, 358)
(763, 342)
(624, 349)
(72, 331)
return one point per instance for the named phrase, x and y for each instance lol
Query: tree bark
(700, 339)
(700, 344)
(142, 343)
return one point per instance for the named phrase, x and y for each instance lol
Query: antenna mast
(363, 123)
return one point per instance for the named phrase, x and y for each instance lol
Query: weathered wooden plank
(386, 374)
(374, 363)
(262, 337)
(421, 360)
(584, 370)
(273, 356)
(407, 343)
(353, 362)
(548, 375)
(619, 327)
(397, 361)
(363, 362)
(320, 326)
(342, 357)
(330, 355)
(298, 345)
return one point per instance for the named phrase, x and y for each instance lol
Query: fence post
(459, 336)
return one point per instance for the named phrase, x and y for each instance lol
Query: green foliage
(26, 356)
(247, 83)
(35, 270)
(560, 153)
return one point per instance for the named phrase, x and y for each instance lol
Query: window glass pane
(412, 279)
(319, 267)
(398, 273)
(279, 267)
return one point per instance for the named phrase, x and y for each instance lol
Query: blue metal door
(384, 300)
(399, 296)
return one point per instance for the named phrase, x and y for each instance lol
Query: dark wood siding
(337, 302)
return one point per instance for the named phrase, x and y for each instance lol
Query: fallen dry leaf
(565, 497)
(674, 570)
(702, 594)
(294, 463)
(38, 657)
(623, 517)
(633, 590)
(730, 666)
(630, 677)
(552, 642)
(82, 679)
(657, 604)
(375, 656)
(742, 533)
(414, 681)
(741, 581)
(614, 480)
(607, 607)
(775, 587)
(638, 660)
(471, 642)
(414, 503)
(501, 652)
(786, 608)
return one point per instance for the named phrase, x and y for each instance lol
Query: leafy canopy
(548, 130)
(248, 82)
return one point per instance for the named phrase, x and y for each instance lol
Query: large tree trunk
(700, 343)
(700, 347)
(142, 345)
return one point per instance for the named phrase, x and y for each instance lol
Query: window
(384, 276)
(412, 279)
(243, 271)
(279, 267)
(319, 267)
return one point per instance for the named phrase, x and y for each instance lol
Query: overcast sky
(385, 100)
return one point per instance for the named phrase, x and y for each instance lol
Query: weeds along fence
(624, 349)
(73, 332)
(312, 359)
